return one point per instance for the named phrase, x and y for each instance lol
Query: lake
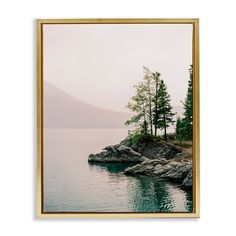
(71, 184)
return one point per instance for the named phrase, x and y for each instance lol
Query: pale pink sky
(100, 64)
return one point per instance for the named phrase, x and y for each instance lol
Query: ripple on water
(73, 185)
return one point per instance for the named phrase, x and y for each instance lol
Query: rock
(111, 149)
(166, 169)
(159, 170)
(187, 182)
(160, 159)
(183, 155)
(154, 149)
(117, 153)
(173, 173)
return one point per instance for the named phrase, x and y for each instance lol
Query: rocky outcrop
(175, 170)
(117, 153)
(155, 150)
(159, 159)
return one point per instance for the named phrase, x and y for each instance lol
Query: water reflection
(145, 193)
(73, 185)
(111, 167)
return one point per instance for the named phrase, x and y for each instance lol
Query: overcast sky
(100, 64)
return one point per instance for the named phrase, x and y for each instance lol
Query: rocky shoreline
(160, 159)
(173, 170)
(117, 153)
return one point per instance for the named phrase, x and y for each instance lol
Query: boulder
(160, 159)
(117, 153)
(167, 169)
(187, 182)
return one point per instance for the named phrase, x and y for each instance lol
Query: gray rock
(173, 173)
(111, 149)
(117, 153)
(155, 150)
(167, 169)
(183, 155)
(158, 169)
(159, 159)
(187, 182)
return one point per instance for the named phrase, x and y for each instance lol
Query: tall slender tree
(156, 79)
(188, 107)
(179, 131)
(148, 84)
(184, 127)
(151, 105)
(138, 104)
(164, 111)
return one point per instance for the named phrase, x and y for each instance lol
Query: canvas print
(117, 112)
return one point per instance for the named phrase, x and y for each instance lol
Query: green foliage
(136, 137)
(164, 109)
(138, 104)
(134, 120)
(179, 131)
(148, 84)
(156, 78)
(151, 104)
(184, 127)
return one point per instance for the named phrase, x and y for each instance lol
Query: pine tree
(151, 105)
(188, 108)
(164, 111)
(179, 131)
(156, 79)
(184, 127)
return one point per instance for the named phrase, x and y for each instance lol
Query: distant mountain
(62, 110)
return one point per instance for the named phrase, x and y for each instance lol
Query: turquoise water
(71, 184)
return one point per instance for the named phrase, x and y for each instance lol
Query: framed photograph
(118, 118)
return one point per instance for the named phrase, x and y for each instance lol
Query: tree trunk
(145, 121)
(155, 119)
(150, 107)
(165, 126)
(156, 109)
(150, 111)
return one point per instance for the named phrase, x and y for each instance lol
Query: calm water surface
(71, 184)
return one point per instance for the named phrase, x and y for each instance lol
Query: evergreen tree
(156, 79)
(164, 111)
(151, 105)
(188, 107)
(179, 131)
(184, 127)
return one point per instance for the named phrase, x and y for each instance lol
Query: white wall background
(17, 119)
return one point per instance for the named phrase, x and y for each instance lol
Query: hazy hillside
(61, 110)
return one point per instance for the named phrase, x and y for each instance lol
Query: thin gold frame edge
(195, 23)
(196, 57)
(118, 215)
(39, 124)
(120, 20)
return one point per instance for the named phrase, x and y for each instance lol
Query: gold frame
(196, 121)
